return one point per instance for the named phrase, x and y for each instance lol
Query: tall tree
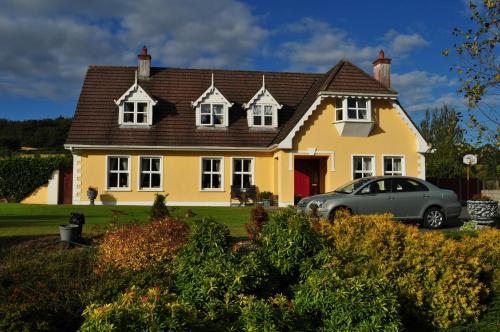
(478, 66)
(441, 128)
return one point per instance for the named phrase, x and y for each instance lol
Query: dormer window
(262, 109)
(212, 114)
(135, 107)
(263, 115)
(352, 109)
(212, 108)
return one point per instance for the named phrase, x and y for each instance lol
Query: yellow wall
(39, 196)
(181, 176)
(273, 170)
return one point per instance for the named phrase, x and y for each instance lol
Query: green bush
(332, 303)
(258, 218)
(159, 210)
(20, 176)
(258, 315)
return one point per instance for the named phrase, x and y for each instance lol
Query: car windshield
(352, 186)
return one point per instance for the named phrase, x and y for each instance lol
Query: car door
(375, 197)
(409, 197)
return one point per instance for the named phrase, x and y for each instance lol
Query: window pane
(207, 165)
(218, 109)
(205, 181)
(351, 103)
(128, 108)
(205, 108)
(351, 113)
(141, 107)
(237, 180)
(268, 120)
(338, 103)
(215, 165)
(362, 114)
(397, 165)
(268, 110)
(257, 121)
(387, 164)
(123, 180)
(247, 180)
(155, 180)
(358, 175)
(361, 103)
(123, 164)
(237, 165)
(112, 180)
(358, 166)
(205, 119)
(246, 165)
(141, 118)
(216, 183)
(339, 114)
(218, 119)
(155, 164)
(113, 164)
(367, 164)
(257, 110)
(128, 117)
(145, 165)
(145, 181)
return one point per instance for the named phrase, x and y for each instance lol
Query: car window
(407, 185)
(377, 187)
(352, 186)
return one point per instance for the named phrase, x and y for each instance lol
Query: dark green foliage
(159, 209)
(332, 303)
(48, 133)
(441, 128)
(20, 176)
(271, 314)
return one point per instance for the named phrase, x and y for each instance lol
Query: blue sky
(47, 44)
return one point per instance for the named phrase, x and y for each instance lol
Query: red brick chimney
(144, 63)
(382, 69)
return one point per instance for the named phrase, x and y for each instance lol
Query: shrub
(258, 217)
(138, 246)
(135, 310)
(20, 176)
(159, 209)
(258, 315)
(439, 281)
(358, 303)
(288, 240)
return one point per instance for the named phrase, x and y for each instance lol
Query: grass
(32, 220)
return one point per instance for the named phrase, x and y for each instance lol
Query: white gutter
(357, 94)
(167, 148)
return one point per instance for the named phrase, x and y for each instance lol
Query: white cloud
(325, 45)
(47, 44)
(417, 90)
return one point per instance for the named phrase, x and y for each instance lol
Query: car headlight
(317, 202)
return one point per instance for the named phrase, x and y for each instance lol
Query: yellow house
(196, 134)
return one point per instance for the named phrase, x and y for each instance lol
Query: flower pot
(68, 232)
(482, 212)
(266, 202)
(92, 195)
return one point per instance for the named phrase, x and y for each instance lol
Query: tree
(441, 128)
(478, 67)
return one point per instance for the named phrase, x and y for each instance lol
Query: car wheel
(342, 211)
(434, 218)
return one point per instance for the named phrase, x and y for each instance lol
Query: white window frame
(212, 115)
(252, 169)
(139, 173)
(345, 117)
(108, 157)
(374, 167)
(135, 112)
(403, 164)
(221, 189)
(263, 116)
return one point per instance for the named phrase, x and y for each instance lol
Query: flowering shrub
(439, 281)
(136, 310)
(138, 246)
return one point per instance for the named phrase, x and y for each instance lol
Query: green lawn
(31, 219)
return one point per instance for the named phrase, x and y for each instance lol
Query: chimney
(144, 63)
(382, 69)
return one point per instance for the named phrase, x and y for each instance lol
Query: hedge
(20, 176)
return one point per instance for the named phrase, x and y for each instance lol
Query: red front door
(306, 177)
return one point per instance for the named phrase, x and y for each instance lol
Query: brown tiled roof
(96, 117)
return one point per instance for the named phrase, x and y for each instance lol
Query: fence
(459, 186)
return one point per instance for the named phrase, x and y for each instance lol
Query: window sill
(212, 190)
(135, 126)
(263, 128)
(110, 190)
(150, 189)
(211, 127)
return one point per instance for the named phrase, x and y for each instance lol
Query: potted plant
(92, 194)
(266, 196)
(482, 209)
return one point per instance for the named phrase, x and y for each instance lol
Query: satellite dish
(470, 159)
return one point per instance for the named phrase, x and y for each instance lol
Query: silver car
(405, 197)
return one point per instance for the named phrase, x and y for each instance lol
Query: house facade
(194, 134)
